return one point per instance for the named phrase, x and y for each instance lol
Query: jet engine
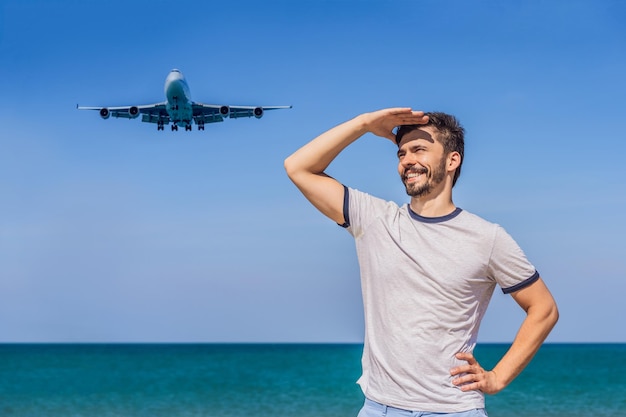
(224, 111)
(133, 112)
(258, 112)
(105, 113)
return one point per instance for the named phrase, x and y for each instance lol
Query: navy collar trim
(440, 219)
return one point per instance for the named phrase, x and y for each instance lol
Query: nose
(408, 159)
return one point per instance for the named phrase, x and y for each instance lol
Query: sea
(274, 380)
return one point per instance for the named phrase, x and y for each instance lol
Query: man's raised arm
(306, 166)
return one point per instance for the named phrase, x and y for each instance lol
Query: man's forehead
(419, 133)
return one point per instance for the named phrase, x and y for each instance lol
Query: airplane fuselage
(178, 99)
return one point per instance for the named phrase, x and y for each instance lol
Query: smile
(413, 173)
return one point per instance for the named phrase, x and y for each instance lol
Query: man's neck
(433, 206)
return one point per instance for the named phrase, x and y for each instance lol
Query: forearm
(316, 156)
(535, 328)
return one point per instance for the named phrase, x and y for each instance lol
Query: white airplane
(180, 110)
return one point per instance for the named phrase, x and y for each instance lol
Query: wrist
(361, 124)
(498, 383)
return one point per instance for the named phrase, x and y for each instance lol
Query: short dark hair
(450, 134)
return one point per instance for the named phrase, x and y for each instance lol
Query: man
(428, 270)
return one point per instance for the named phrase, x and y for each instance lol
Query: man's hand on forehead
(382, 122)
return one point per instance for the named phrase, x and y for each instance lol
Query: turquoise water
(183, 380)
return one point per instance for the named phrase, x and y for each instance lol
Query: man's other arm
(541, 316)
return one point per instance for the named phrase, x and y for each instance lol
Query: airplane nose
(174, 75)
(172, 87)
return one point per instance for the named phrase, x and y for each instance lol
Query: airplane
(180, 110)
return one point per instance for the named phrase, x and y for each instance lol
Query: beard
(433, 178)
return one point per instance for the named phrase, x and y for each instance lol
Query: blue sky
(113, 231)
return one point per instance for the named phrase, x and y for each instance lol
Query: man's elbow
(553, 314)
(539, 304)
(290, 167)
(549, 314)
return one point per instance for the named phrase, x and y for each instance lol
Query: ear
(453, 161)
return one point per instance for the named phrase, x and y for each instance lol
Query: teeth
(414, 173)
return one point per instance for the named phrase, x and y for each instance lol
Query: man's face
(421, 162)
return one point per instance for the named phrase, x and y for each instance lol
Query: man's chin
(416, 191)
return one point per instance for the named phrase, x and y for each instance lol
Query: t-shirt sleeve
(508, 264)
(360, 209)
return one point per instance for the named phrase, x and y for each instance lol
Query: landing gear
(200, 125)
(174, 128)
(187, 128)
(159, 126)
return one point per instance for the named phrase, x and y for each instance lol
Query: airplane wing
(151, 113)
(200, 113)
(210, 113)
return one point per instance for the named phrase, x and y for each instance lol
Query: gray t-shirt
(426, 285)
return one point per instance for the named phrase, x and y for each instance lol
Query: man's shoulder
(362, 196)
(475, 220)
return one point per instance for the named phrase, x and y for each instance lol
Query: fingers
(472, 364)
(401, 114)
(483, 381)
(466, 356)
(382, 122)
(407, 116)
(398, 110)
(470, 372)
(470, 385)
(466, 369)
(472, 377)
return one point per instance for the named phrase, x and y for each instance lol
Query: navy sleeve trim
(522, 284)
(346, 207)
